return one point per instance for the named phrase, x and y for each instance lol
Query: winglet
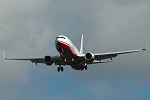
(81, 48)
(4, 54)
(146, 46)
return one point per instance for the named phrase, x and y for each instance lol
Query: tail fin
(81, 48)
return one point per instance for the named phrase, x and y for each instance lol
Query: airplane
(70, 55)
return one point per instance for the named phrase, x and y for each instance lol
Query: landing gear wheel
(85, 67)
(62, 69)
(58, 69)
(82, 68)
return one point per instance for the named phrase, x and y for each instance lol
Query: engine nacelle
(48, 60)
(89, 57)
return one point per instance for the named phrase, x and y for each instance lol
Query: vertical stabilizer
(81, 48)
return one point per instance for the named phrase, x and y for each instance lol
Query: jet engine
(48, 60)
(89, 57)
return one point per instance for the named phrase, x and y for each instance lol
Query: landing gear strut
(84, 67)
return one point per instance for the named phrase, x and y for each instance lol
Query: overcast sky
(28, 28)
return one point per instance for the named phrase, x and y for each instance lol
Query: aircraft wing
(54, 59)
(37, 60)
(111, 55)
(102, 56)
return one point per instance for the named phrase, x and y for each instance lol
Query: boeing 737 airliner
(70, 55)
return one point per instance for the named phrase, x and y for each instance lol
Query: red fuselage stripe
(69, 50)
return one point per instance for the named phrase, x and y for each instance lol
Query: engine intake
(47, 59)
(89, 57)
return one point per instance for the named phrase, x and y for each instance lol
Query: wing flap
(95, 62)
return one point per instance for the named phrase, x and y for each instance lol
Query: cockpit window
(61, 37)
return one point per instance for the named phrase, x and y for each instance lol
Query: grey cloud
(28, 29)
(117, 89)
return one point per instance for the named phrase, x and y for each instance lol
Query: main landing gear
(60, 68)
(84, 67)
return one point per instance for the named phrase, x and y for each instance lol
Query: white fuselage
(68, 50)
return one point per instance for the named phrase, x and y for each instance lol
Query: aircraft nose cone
(57, 42)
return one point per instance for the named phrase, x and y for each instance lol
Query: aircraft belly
(76, 67)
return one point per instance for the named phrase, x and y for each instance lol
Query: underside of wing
(48, 60)
(33, 60)
(102, 56)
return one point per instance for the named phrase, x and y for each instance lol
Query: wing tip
(4, 55)
(144, 49)
(146, 46)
